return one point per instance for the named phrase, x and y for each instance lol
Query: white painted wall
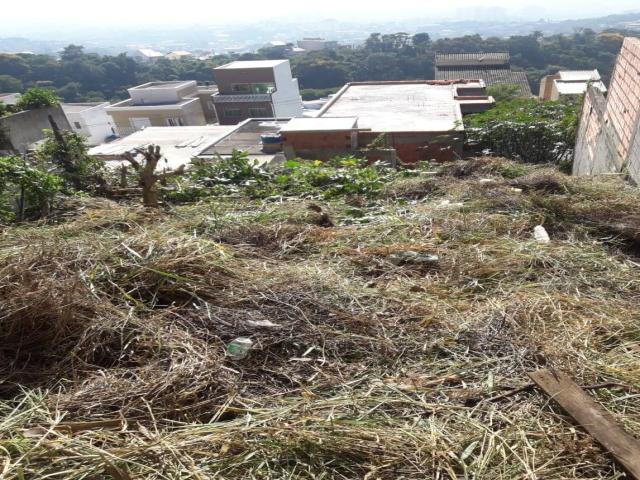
(162, 93)
(93, 123)
(286, 99)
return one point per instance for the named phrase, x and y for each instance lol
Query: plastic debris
(540, 234)
(239, 348)
(450, 204)
(402, 258)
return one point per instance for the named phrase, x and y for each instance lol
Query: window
(262, 88)
(232, 112)
(253, 88)
(175, 122)
(241, 88)
(78, 126)
(259, 113)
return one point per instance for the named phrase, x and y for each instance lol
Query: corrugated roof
(490, 76)
(471, 59)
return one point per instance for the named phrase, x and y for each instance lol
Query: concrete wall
(190, 113)
(25, 128)
(163, 93)
(226, 77)
(609, 130)
(286, 99)
(93, 123)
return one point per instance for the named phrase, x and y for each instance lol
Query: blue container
(271, 138)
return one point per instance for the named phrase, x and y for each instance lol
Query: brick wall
(623, 103)
(633, 161)
(609, 131)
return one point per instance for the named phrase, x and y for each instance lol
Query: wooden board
(595, 420)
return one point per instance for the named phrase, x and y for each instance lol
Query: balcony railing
(241, 98)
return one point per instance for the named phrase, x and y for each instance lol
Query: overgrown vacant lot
(387, 331)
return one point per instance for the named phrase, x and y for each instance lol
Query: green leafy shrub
(527, 130)
(69, 156)
(37, 97)
(25, 191)
(239, 175)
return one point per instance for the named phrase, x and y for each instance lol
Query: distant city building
(316, 44)
(570, 83)
(178, 54)
(90, 120)
(256, 89)
(417, 120)
(492, 68)
(9, 98)
(157, 104)
(147, 55)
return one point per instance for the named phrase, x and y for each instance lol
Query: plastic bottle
(239, 348)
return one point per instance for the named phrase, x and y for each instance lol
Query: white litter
(541, 235)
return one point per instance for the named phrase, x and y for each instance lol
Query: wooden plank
(599, 423)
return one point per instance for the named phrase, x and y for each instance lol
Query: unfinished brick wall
(633, 161)
(623, 103)
(609, 129)
(597, 143)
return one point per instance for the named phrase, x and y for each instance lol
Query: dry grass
(362, 368)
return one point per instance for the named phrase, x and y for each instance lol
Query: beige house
(570, 83)
(160, 104)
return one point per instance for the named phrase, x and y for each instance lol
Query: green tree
(37, 97)
(10, 84)
(25, 191)
(67, 152)
(527, 129)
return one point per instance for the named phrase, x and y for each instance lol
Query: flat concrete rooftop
(167, 84)
(399, 106)
(245, 137)
(321, 124)
(80, 107)
(177, 144)
(251, 64)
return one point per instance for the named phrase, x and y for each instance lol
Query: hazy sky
(88, 13)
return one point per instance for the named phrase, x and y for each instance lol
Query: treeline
(80, 76)
(404, 57)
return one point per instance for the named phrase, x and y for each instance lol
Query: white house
(146, 55)
(90, 120)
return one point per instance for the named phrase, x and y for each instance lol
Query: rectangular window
(262, 88)
(241, 88)
(175, 122)
(232, 112)
(78, 126)
(259, 113)
(253, 88)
